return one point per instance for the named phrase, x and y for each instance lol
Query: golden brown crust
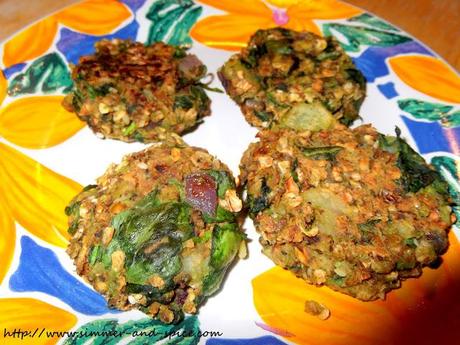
(330, 207)
(282, 69)
(167, 268)
(132, 92)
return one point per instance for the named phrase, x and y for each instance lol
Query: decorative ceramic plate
(47, 155)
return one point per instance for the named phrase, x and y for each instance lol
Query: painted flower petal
(247, 7)
(230, 32)
(30, 43)
(7, 238)
(283, 3)
(40, 270)
(95, 17)
(428, 75)
(284, 309)
(372, 62)
(38, 122)
(29, 314)
(303, 25)
(422, 311)
(323, 9)
(184, 333)
(3, 86)
(36, 195)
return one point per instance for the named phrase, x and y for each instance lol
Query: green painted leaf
(456, 210)
(452, 119)
(424, 110)
(137, 332)
(373, 21)
(172, 20)
(450, 171)
(430, 111)
(48, 74)
(353, 37)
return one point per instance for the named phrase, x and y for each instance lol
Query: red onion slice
(200, 192)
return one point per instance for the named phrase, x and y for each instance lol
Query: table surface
(435, 23)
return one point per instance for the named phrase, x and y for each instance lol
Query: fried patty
(158, 231)
(132, 92)
(281, 71)
(352, 209)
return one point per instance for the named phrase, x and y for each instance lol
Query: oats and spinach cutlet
(158, 231)
(352, 209)
(283, 71)
(134, 92)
